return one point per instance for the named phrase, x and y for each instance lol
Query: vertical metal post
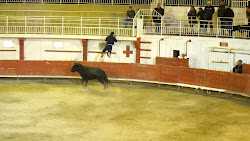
(112, 1)
(130, 2)
(25, 24)
(60, 1)
(99, 26)
(44, 30)
(78, 2)
(217, 32)
(118, 27)
(23, 1)
(134, 27)
(41, 1)
(94, 2)
(7, 24)
(161, 24)
(62, 24)
(180, 28)
(199, 28)
(81, 25)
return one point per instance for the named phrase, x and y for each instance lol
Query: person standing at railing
(192, 17)
(229, 14)
(248, 14)
(221, 13)
(157, 19)
(110, 42)
(209, 11)
(130, 16)
(201, 16)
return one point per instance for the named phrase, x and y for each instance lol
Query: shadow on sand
(98, 92)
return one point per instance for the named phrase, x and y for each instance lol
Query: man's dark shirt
(248, 14)
(201, 15)
(131, 14)
(161, 11)
(238, 68)
(221, 11)
(228, 13)
(192, 16)
(111, 40)
(209, 11)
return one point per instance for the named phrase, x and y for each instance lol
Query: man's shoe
(102, 55)
(109, 54)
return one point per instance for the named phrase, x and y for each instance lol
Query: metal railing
(188, 2)
(193, 28)
(52, 25)
(108, 2)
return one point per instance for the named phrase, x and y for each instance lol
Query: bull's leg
(83, 83)
(103, 82)
(86, 84)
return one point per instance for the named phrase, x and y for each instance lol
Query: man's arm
(106, 39)
(133, 13)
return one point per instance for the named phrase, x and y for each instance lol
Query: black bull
(91, 73)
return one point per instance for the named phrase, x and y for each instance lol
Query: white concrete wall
(198, 52)
(34, 49)
(118, 48)
(9, 55)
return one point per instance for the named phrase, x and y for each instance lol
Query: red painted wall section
(145, 72)
(246, 68)
(169, 73)
(247, 90)
(172, 61)
(8, 67)
(85, 49)
(21, 45)
(163, 73)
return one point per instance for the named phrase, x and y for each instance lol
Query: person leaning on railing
(228, 14)
(209, 11)
(157, 19)
(130, 16)
(192, 17)
(221, 13)
(201, 16)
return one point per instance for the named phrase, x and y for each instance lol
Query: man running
(110, 41)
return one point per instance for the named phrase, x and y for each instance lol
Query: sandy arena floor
(34, 110)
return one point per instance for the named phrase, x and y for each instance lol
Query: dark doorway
(176, 53)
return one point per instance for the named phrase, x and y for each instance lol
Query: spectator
(209, 11)
(192, 17)
(221, 13)
(157, 19)
(110, 41)
(248, 14)
(238, 67)
(130, 16)
(201, 17)
(228, 14)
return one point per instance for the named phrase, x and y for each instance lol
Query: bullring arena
(169, 81)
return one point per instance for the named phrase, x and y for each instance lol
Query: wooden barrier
(172, 61)
(161, 73)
